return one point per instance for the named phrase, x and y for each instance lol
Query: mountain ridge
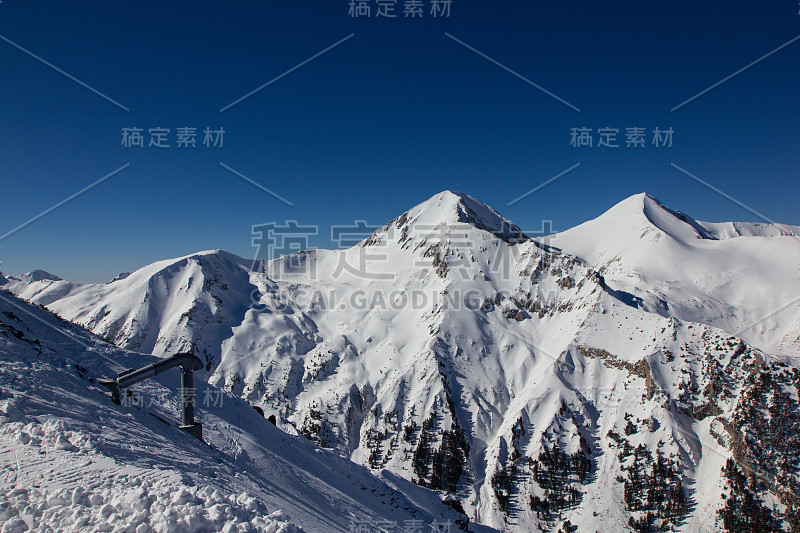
(500, 372)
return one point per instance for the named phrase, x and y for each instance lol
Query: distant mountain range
(636, 372)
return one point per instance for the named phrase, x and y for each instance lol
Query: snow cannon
(188, 363)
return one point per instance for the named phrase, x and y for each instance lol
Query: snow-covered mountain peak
(3, 279)
(207, 260)
(159, 307)
(644, 214)
(644, 217)
(452, 207)
(448, 213)
(38, 275)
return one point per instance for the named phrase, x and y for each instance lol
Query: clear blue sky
(390, 117)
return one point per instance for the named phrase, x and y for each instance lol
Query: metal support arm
(188, 363)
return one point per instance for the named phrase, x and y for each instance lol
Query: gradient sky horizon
(403, 109)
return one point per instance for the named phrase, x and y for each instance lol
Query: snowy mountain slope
(163, 308)
(74, 461)
(384, 385)
(367, 367)
(740, 277)
(451, 351)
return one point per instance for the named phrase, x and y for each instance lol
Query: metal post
(188, 423)
(187, 397)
